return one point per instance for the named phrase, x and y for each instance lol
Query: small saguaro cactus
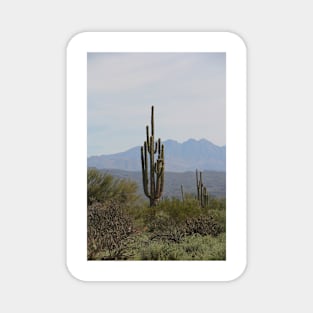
(152, 171)
(182, 192)
(202, 192)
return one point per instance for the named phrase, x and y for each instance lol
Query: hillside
(214, 181)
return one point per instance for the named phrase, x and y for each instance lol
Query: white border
(236, 241)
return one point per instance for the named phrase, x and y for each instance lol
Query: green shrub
(205, 247)
(102, 187)
(173, 209)
(191, 248)
(155, 251)
(178, 210)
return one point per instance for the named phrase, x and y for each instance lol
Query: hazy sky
(188, 91)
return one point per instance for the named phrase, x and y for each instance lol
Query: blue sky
(188, 91)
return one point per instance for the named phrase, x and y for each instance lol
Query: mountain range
(179, 157)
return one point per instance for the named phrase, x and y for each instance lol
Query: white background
(32, 121)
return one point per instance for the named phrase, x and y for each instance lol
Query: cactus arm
(152, 182)
(163, 168)
(159, 147)
(144, 169)
(147, 135)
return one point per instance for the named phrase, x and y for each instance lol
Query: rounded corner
(238, 39)
(74, 38)
(242, 270)
(73, 275)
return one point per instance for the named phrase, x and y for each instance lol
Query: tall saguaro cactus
(152, 171)
(202, 193)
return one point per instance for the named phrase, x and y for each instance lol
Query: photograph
(156, 156)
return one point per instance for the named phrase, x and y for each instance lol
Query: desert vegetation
(122, 225)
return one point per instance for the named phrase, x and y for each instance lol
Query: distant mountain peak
(191, 140)
(170, 141)
(201, 140)
(179, 157)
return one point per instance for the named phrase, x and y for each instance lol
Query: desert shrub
(219, 216)
(164, 228)
(217, 210)
(162, 251)
(109, 231)
(205, 247)
(190, 248)
(203, 225)
(155, 251)
(103, 187)
(175, 210)
(178, 210)
(167, 229)
(174, 219)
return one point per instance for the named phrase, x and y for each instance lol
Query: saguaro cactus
(182, 192)
(152, 171)
(202, 193)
